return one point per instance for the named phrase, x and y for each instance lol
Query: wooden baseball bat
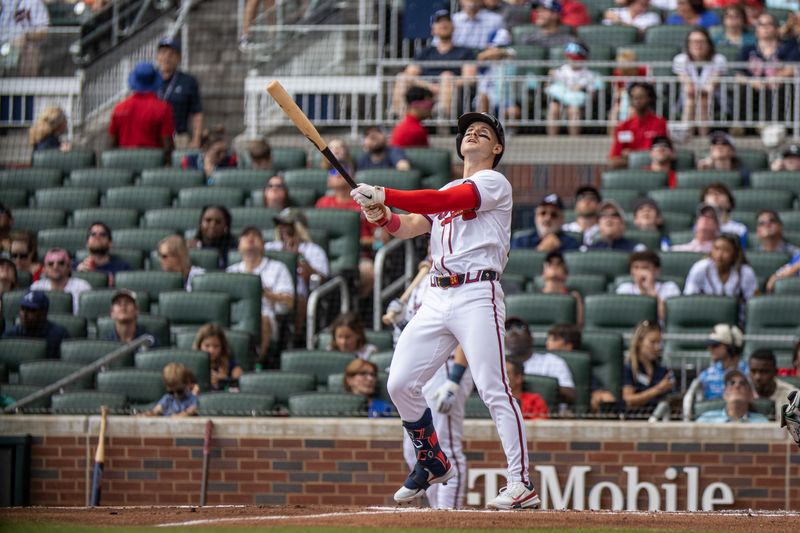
(99, 459)
(293, 111)
(206, 458)
(422, 274)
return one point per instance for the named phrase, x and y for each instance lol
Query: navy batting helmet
(464, 122)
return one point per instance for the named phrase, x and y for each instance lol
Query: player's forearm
(426, 202)
(407, 226)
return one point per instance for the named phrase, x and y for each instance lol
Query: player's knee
(399, 387)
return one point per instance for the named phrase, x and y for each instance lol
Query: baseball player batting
(469, 221)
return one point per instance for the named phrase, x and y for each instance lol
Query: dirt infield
(406, 517)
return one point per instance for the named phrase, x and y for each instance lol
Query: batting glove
(445, 396)
(377, 214)
(367, 195)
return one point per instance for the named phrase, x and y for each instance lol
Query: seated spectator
(125, 314)
(549, 30)
(58, 277)
(47, 130)
(768, 59)
(693, 13)
(180, 89)
(645, 267)
(531, 404)
(705, 229)
(572, 84)
(260, 154)
(378, 155)
(6, 223)
(645, 381)
(347, 336)
(23, 26)
(361, 378)
(725, 349)
(277, 295)
(547, 235)
(473, 26)
(647, 216)
(563, 337)
(611, 230)
(724, 273)
(142, 120)
(793, 371)
(98, 244)
(214, 232)
(33, 323)
(621, 106)
(754, 9)
(738, 394)
(719, 196)
(23, 253)
(638, 132)
(410, 132)
(722, 155)
(635, 13)
(519, 345)
(789, 160)
(8, 282)
(663, 159)
(339, 149)
(179, 400)
(734, 30)
(276, 194)
(574, 13)
(789, 270)
(763, 369)
(173, 256)
(587, 201)
(769, 232)
(554, 278)
(699, 67)
(223, 366)
(214, 153)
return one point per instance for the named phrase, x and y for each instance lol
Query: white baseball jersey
(469, 241)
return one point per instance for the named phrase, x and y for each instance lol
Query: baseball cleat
(515, 495)
(406, 494)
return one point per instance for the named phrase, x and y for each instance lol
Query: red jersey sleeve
(427, 202)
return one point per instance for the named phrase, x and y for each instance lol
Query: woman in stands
(645, 381)
(214, 232)
(693, 13)
(348, 336)
(23, 252)
(276, 194)
(214, 153)
(224, 368)
(734, 30)
(173, 254)
(342, 153)
(361, 378)
(46, 132)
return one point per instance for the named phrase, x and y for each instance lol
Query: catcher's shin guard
(432, 464)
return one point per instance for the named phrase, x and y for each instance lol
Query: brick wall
(297, 461)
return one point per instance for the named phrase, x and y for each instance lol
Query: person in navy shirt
(610, 235)
(33, 323)
(377, 153)
(646, 381)
(547, 235)
(182, 92)
(125, 314)
(98, 244)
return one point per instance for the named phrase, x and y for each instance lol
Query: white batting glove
(377, 214)
(367, 195)
(445, 396)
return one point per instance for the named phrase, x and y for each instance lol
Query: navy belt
(454, 280)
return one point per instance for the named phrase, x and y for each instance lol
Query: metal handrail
(339, 282)
(135, 344)
(379, 293)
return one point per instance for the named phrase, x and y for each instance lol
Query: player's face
(213, 347)
(480, 139)
(345, 339)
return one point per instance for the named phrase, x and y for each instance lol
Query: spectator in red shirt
(410, 132)
(531, 404)
(142, 120)
(638, 132)
(574, 13)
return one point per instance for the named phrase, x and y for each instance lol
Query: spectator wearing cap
(182, 92)
(662, 159)
(33, 323)
(738, 393)
(377, 154)
(611, 230)
(647, 216)
(277, 296)
(142, 120)
(58, 278)
(725, 344)
(572, 13)
(698, 67)
(763, 372)
(571, 85)
(6, 223)
(693, 13)
(705, 230)
(718, 196)
(555, 274)
(587, 200)
(125, 314)
(260, 154)
(644, 268)
(633, 13)
(789, 160)
(474, 26)
(769, 233)
(547, 235)
(410, 132)
(637, 132)
(100, 258)
(722, 155)
(549, 30)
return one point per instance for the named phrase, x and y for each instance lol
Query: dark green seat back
(85, 351)
(605, 262)
(87, 403)
(544, 386)
(67, 198)
(618, 312)
(30, 179)
(203, 196)
(141, 198)
(677, 200)
(157, 326)
(320, 363)
(44, 373)
(177, 219)
(101, 179)
(135, 159)
(580, 365)
(279, 383)
(66, 162)
(138, 386)
(37, 219)
(697, 179)
(314, 179)
(638, 180)
(327, 404)
(114, 217)
(142, 239)
(195, 361)
(70, 239)
(343, 227)
(174, 179)
(195, 308)
(60, 302)
(235, 404)
(607, 359)
(15, 351)
(244, 291)
(697, 314)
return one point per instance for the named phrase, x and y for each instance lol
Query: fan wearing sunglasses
(58, 277)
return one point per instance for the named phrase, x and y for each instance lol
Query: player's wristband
(392, 224)
(456, 373)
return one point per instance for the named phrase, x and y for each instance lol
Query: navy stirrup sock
(430, 457)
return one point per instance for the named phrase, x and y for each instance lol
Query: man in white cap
(725, 349)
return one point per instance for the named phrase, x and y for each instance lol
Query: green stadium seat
(15, 351)
(650, 238)
(113, 217)
(393, 179)
(618, 313)
(343, 227)
(521, 32)
(297, 197)
(773, 315)
(142, 239)
(524, 262)
(18, 392)
(697, 179)
(260, 217)
(638, 180)
(336, 383)
(157, 326)
(87, 403)
(30, 179)
(203, 196)
(138, 386)
(278, 383)
(583, 283)
(13, 198)
(544, 386)
(580, 365)
(766, 264)
(676, 221)
(44, 373)
(241, 343)
(66, 162)
(101, 179)
(607, 359)
(666, 34)
(98, 280)
(37, 219)
(75, 325)
(60, 302)
(731, 52)
(3, 373)
(787, 286)
(678, 264)
(194, 360)
(70, 239)
(243, 179)
(327, 404)
(205, 258)
(244, 291)
(753, 159)
(698, 314)
(756, 199)
(235, 404)
(541, 311)
(151, 283)
(677, 200)
(284, 159)
(598, 8)
(174, 179)
(141, 197)
(613, 36)
(133, 257)
(383, 359)
(320, 363)
(779, 181)
(195, 308)
(178, 219)
(135, 159)
(382, 340)
(781, 14)
(626, 198)
(67, 198)
(474, 408)
(97, 303)
(608, 263)
(315, 179)
(24, 279)
(433, 163)
(653, 52)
